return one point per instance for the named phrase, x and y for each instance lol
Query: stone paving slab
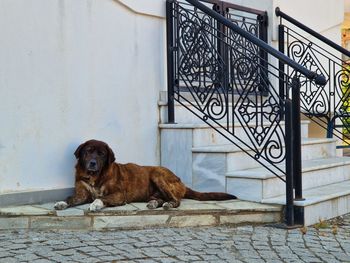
(249, 206)
(137, 216)
(328, 241)
(24, 210)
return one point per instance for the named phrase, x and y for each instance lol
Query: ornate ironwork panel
(219, 76)
(329, 104)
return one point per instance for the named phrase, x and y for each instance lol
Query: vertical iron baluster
(281, 76)
(170, 60)
(297, 138)
(263, 87)
(289, 213)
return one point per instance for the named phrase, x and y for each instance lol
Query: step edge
(308, 202)
(269, 175)
(231, 148)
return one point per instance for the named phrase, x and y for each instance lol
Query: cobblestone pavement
(329, 243)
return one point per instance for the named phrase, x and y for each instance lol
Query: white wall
(319, 15)
(347, 6)
(71, 71)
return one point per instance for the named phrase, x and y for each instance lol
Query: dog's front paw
(60, 205)
(153, 204)
(96, 205)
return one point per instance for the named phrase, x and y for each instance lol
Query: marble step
(321, 203)
(237, 158)
(182, 151)
(205, 135)
(258, 184)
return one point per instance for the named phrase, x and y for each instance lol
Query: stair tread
(307, 165)
(315, 195)
(225, 148)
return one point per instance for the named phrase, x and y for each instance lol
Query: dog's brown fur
(117, 184)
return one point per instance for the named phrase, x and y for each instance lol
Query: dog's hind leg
(115, 199)
(155, 201)
(170, 188)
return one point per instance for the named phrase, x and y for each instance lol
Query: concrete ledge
(34, 197)
(191, 213)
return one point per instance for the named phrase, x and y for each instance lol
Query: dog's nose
(92, 163)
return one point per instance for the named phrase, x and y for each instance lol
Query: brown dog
(100, 180)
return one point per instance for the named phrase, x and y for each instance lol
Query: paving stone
(199, 206)
(191, 244)
(167, 260)
(5, 254)
(70, 212)
(84, 207)
(119, 209)
(60, 223)
(48, 206)
(111, 258)
(27, 257)
(250, 218)
(7, 223)
(24, 210)
(107, 222)
(173, 252)
(188, 258)
(249, 206)
(142, 206)
(195, 220)
(153, 252)
(9, 260)
(41, 261)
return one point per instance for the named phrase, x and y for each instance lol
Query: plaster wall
(75, 70)
(71, 71)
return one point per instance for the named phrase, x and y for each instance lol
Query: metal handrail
(319, 79)
(311, 32)
(187, 37)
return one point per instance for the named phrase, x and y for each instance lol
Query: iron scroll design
(322, 104)
(220, 80)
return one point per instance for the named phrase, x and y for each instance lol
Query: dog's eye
(89, 150)
(100, 153)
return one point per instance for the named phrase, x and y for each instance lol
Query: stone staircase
(206, 161)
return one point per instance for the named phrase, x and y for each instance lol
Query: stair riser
(259, 189)
(326, 210)
(209, 169)
(240, 160)
(208, 172)
(209, 136)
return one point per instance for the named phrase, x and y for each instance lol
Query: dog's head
(93, 156)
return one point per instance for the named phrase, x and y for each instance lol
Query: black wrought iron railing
(225, 75)
(329, 105)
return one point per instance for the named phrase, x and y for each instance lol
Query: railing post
(263, 22)
(296, 138)
(170, 60)
(281, 77)
(289, 213)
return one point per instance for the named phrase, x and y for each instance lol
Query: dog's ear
(111, 157)
(77, 152)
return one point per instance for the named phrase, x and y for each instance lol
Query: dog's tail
(191, 194)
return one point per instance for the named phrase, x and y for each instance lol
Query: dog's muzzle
(92, 166)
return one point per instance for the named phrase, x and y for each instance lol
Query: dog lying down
(103, 182)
